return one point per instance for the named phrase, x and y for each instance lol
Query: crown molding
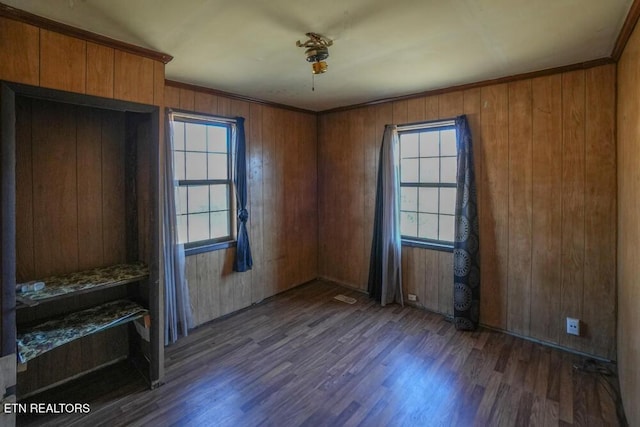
(626, 31)
(507, 79)
(216, 92)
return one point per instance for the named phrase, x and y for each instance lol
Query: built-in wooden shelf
(36, 340)
(57, 287)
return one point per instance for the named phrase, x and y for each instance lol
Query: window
(428, 167)
(202, 167)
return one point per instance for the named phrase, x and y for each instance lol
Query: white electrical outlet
(573, 326)
(412, 297)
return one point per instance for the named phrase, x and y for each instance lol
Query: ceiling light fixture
(317, 50)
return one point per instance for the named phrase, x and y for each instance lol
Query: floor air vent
(346, 299)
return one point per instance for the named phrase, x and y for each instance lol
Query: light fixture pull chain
(313, 82)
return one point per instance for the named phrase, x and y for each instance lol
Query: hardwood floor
(303, 358)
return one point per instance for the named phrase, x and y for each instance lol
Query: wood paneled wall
(70, 198)
(282, 180)
(629, 228)
(545, 167)
(39, 57)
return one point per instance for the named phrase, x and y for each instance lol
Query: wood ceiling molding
(47, 24)
(507, 79)
(626, 31)
(216, 92)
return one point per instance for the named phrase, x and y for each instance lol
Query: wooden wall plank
(600, 205)
(450, 105)
(337, 170)
(172, 97)
(269, 123)
(445, 281)
(400, 112)
(324, 182)
(288, 155)
(113, 182)
(145, 198)
(573, 197)
(432, 107)
(358, 271)
(100, 63)
(54, 184)
(25, 259)
(63, 63)
(494, 183)
(204, 102)
(209, 295)
(547, 220)
(628, 250)
(187, 99)
(133, 78)
(426, 273)
(309, 190)
(280, 231)
(224, 106)
(416, 110)
(89, 189)
(158, 86)
(520, 206)
(20, 47)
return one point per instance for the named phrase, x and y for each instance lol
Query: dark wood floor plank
(303, 358)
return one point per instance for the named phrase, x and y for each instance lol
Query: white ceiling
(381, 48)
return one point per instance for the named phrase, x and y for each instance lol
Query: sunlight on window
(428, 167)
(202, 169)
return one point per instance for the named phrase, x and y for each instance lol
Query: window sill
(210, 247)
(427, 245)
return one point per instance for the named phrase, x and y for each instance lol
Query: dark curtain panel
(466, 247)
(243, 261)
(385, 275)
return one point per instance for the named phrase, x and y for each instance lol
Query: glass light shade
(319, 67)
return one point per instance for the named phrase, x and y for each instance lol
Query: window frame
(432, 125)
(229, 240)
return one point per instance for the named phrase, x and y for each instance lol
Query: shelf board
(66, 285)
(53, 333)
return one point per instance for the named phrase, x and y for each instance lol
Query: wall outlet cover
(573, 326)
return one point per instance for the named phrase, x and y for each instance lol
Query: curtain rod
(426, 125)
(205, 117)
